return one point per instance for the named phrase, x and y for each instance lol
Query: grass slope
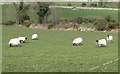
(70, 14)
(53, 52)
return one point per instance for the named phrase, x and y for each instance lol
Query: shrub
(78, 20)
(50, 26)
(108, 18)
(23, 16)
(69, 4)
(83, 5)
(93, 5)
(54, 17)
(112, 25)
(8, 23)
(27, 23)
(86, 20)
(100, 24)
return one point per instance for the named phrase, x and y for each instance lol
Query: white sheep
(23, 39)
(109, 38)
(34, 36)
(101, 42)
(77, 41)
(14, 42)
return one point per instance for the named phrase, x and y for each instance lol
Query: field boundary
(109, 62)
(90, 8)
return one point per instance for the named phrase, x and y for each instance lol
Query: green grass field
(53, 52)
(70, 14)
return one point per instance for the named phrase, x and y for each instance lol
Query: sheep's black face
(73, 44)
(107, 35)
(25, 38)
(96, 41)
(10, 45)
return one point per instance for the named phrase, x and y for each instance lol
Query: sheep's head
(25, 38)
(74, 44)
(10, 45)
(107, 35)
(96, 41)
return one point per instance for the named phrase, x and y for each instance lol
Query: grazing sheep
(34, 36)
(77, 41)
(23, 39)
(101, 42)
(14, 42)
(109, 38)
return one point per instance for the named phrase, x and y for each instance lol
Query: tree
(21, 12)
(43, 11)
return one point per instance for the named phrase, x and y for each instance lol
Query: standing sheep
(23, 39)
(34, 36)
(109, 38)
(101, 42)
(14, 42)
(77, 41)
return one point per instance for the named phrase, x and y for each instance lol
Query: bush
(69, 4)
(8, 23)
(23, 16)
(100, 24)
(78, 20)
(112, 25)
(108, 18)
(93, 5)
(83, 5)
(86, 20)
(27, 23)
(50, 26)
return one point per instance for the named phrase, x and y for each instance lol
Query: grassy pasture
(70, 14)
(53, 52)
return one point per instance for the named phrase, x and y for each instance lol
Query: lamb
(109, 38)
(101, 42)
(14, 42)
(34, 36)
(23, 39)
(77, 41)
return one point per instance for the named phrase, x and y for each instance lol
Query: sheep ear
(20, 41)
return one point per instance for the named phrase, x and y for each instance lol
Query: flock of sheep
(77, 41)
(100, 43)
(17, 41)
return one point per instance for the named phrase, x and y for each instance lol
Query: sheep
(14, 42)
(34, 36)
(109, 38)
(77, 41)
(23, 39)
(101, 42)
